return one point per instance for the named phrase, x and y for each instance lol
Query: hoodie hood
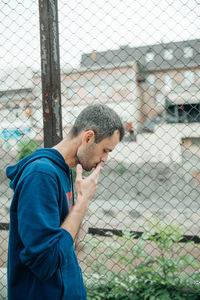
(14, 172)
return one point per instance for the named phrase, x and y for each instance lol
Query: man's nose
(104, 158)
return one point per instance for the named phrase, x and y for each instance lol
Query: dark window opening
(186, 113)
(195, 141)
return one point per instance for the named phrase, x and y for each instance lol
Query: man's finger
(79, 170)
(96, 172)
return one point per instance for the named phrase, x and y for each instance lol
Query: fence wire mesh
(140, 58)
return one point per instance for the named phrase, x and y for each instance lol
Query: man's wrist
(81, 206)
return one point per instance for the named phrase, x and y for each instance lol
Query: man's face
(90, 154)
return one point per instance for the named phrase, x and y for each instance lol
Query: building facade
(16, 106)
(169, 76)
(148, 86)
(168, 81)
(115, 86)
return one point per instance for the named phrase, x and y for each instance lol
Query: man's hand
(85, 189)
(86, 186)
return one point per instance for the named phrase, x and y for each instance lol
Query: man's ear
(88, 137)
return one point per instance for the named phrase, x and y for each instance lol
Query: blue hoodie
(42, 263)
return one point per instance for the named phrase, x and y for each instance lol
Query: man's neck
(68, 149)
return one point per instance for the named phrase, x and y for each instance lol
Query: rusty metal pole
(50, 72)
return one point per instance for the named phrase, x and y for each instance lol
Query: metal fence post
(50, 72)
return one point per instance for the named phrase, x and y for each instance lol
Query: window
(193, 112)
(188, 78)
(168, 82)
(71, 93)
(70, 117)
(168, 54)
(149, 56)
(187, 113)
(160, 100)
(188, 52)
(16, 111)
(151, 80)
(12, 115)
(195, 141)
(91, 91)
(24, 111)
(106, 90)
(121, 86)
(6, 111)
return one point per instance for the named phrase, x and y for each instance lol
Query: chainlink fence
(141, 58)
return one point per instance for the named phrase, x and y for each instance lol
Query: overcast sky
(94, 25)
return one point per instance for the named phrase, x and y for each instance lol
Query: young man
(44, 220)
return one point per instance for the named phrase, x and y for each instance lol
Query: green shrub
(161, 277)
(26, 147)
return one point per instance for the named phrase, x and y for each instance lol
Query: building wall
(16, 99)
(15, 116)
(164, 145)
(116, 87)
(174, 85)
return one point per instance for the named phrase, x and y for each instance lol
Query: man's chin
(87, 169)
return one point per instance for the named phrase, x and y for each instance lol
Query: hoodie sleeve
(46, 245)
